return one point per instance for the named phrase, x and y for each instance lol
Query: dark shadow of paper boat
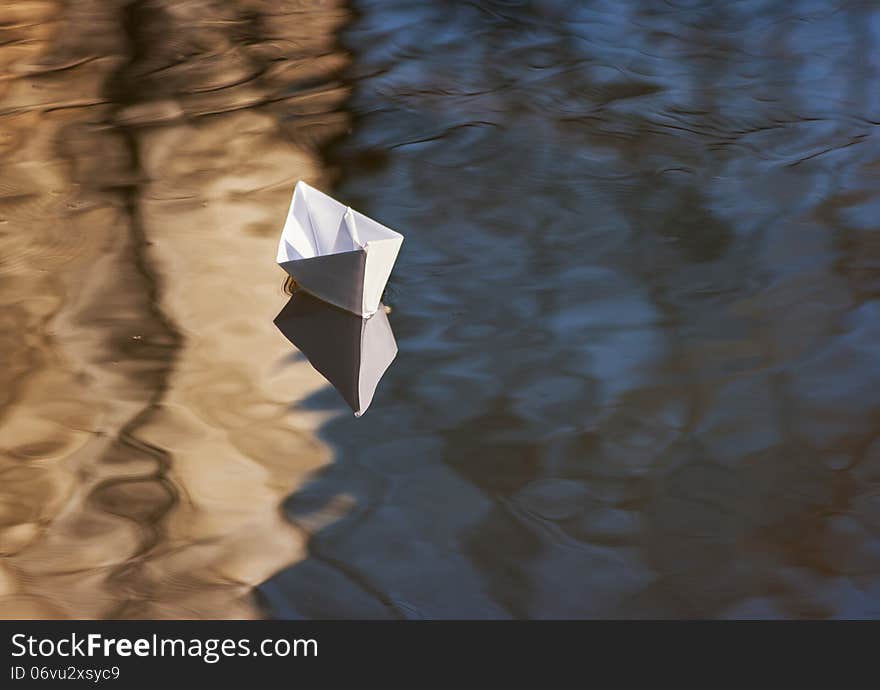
(351, 352)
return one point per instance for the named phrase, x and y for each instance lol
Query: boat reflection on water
(350, 351)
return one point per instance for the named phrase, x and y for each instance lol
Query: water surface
(637, 310)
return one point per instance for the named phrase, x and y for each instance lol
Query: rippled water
(637, 312)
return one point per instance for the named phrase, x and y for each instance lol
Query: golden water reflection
(143, 457)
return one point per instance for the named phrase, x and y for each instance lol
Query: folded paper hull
(351, 352)
(334, 278)
(335, 253)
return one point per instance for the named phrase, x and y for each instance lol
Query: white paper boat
(350, 351)
(335, 253)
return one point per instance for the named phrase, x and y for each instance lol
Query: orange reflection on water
(146, 438)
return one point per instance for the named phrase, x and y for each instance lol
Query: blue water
(637, 312)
